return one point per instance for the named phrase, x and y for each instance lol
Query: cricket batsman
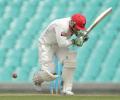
(55, 41)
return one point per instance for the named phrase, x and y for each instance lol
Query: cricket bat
(98, 19)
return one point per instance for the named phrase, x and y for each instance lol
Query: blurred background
(22, 21)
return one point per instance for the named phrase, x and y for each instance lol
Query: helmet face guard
(73, 29)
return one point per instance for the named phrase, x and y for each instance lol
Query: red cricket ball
(14, 75)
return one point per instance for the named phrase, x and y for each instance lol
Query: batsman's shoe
(42, 76)
(67, 93)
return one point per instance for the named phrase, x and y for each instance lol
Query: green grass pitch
(54, 97)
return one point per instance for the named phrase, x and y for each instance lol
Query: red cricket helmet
(79, 21)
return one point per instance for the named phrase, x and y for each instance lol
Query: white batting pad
(42, 76)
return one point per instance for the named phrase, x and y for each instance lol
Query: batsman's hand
(79, 33)
(79, 41)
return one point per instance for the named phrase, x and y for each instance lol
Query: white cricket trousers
(46, 54)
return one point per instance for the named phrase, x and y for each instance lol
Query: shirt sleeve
(62, 40)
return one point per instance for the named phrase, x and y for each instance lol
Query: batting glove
(78, 41)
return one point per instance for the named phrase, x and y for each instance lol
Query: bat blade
(98, 19)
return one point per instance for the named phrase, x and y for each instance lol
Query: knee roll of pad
(69, 64)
